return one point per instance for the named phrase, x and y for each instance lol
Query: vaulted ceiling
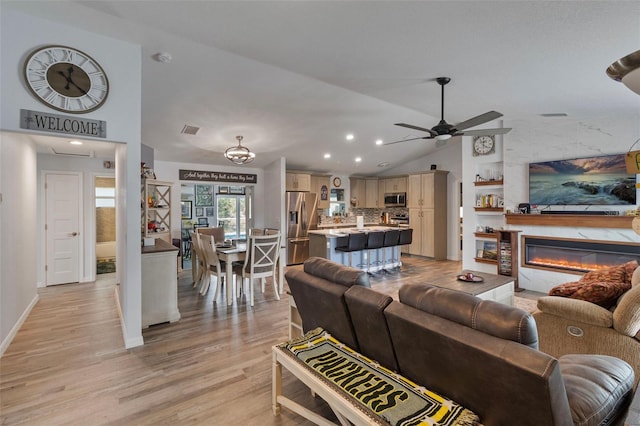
(294, 77)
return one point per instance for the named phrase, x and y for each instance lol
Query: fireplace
(575, 255)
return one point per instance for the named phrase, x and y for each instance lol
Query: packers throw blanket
(381, 392)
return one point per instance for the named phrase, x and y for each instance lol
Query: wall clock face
(337, 182)
(483, 145)
(66, 79)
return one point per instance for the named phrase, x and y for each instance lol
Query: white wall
(274, 205)
(445, 158)
(546, 139)
(18, 224)
(19, 35)
(89, 169)
(169, 172)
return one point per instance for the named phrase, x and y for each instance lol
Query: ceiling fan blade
(407, 140)
(477, 120)
(422, 129)
(487, 132)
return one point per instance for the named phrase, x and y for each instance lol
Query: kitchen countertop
(353, 225)
(343, 232)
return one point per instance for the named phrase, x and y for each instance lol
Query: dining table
(237, 252)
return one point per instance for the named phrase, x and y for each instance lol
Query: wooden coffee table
(494, 287)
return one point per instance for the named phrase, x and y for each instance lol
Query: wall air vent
(85, 154)
(189, 130)
(554, 114)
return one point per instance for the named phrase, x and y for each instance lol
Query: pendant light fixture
(627, 70)
(239, 154)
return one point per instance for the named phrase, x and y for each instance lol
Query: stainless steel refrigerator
(301, 217)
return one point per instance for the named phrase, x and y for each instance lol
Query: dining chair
(213, 264)
(198, 266)
(260, 262)
(256, 231)
(217, 232)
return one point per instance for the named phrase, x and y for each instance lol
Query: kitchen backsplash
(370, 215)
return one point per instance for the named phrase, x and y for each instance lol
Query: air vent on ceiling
(86, 154)
(554, 114)
(189, 130)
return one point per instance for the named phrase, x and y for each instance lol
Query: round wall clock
(337, 182)
(66, 79)
(483, 145)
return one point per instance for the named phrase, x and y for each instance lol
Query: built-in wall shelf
(483, 260)
(488, 182)
(570, 220)
(484, 235)
(489, 209)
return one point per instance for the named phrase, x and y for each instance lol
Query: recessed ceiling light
(379, 142)
(358, 159)
(327, 155)
(350, 136)
(74, 142)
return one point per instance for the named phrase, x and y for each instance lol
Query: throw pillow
(602, 287)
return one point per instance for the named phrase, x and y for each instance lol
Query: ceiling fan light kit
(444, 131)
(239, 154)
(627, 71)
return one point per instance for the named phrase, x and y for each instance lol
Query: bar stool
(375, 241)
(391, 239)
(355, 242)
(406, 237)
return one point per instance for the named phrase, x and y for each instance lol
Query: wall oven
(395, 199)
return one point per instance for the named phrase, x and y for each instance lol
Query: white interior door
(62, 227)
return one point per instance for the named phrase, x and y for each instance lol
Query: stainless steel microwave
(395, 199)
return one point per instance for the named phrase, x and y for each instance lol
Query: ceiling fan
(443, 130)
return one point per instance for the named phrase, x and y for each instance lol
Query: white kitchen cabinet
(159, 284)
(427, 202)
(371, 193)
(298, 182)
(320, 185)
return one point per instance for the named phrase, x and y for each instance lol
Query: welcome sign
(56, 123)
(206, 176)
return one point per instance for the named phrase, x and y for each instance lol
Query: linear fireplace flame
(573, 255)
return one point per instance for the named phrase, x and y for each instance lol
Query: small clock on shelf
(484, 145)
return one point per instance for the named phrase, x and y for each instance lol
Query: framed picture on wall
(185, 209)
(204, 195)
(208, 211)
(199, 211)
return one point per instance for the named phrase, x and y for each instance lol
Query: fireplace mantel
(571, 220)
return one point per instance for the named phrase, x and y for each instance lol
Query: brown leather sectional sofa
(479, 353)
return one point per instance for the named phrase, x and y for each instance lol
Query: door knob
(73, 234)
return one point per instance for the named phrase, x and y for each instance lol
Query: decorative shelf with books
(499, 247)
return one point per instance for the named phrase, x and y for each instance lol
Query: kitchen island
(323, 243)
(159, 283)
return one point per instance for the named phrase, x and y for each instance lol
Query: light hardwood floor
(67, 364)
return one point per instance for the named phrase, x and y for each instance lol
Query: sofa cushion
(576, 310)
(320, 299)
(496, 319)
(602, 287)
(626, 317)
(366, 307)
(335, 272)
(387, 397)
(598, 387)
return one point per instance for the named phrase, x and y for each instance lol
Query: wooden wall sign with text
(205, 176)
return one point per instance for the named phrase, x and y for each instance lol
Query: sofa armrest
(626, 317)
(577, 310)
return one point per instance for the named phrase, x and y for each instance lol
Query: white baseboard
(128, 342)
(14, 330)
